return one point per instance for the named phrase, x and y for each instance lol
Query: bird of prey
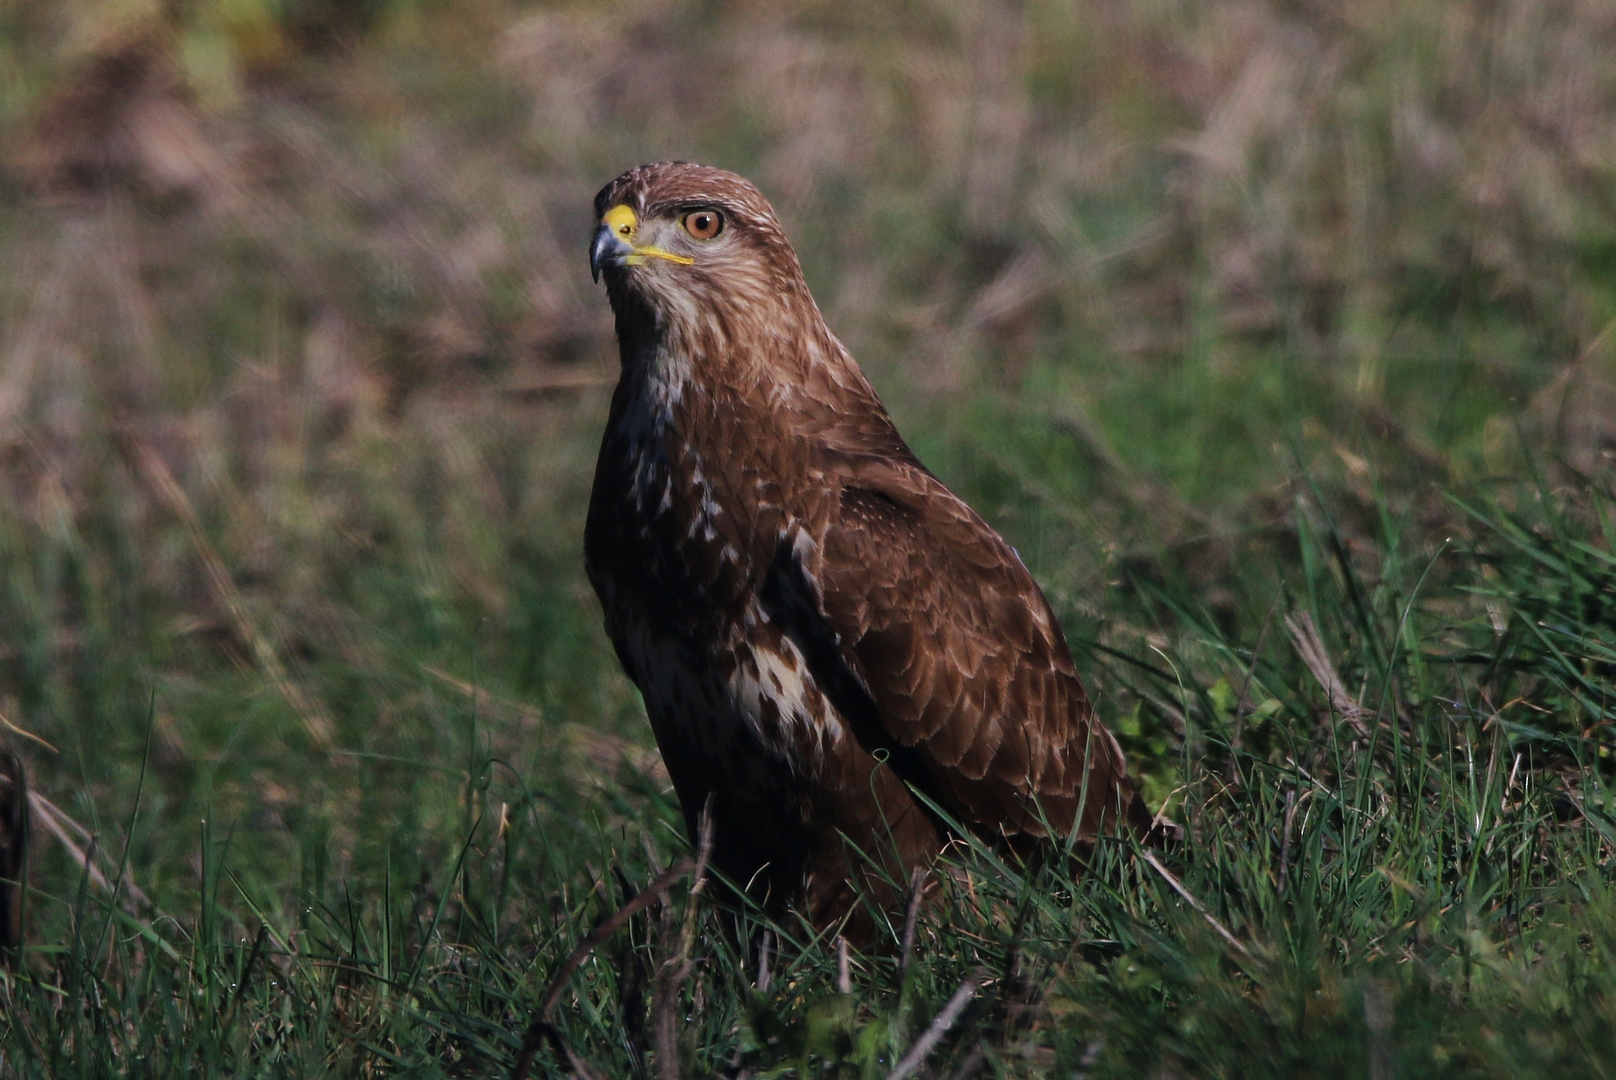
(832, 647)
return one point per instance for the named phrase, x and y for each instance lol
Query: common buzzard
(820, 629)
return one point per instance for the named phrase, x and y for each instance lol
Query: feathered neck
(720, 333)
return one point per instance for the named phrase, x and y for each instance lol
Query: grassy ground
(1276, 337)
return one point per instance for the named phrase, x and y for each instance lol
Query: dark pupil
(702, 222)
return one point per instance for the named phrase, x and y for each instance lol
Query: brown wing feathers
(962, 655)
(817, 625)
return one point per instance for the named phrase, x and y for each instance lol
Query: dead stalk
(671, 979)
(917, 891)
(940, 1026)
(765, 946)
(1310, 647)
(1178, 887)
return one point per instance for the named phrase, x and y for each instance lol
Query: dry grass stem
(765, 947)
(939, 1026)
(671, 978)
(1310, 648)
(1285, 843)
(168, 492)
(65, 829)
(605, 930)
(6, 723)
(542, 1028)
(911, 916)
(1178, 887)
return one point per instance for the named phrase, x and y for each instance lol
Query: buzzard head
(694, 250)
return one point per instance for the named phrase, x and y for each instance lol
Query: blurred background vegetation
(1210, 307)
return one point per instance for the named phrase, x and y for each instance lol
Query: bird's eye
(703, 224)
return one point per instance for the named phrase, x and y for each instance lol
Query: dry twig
(940, 1026)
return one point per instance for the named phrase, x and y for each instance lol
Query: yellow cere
(621, 220)
(623, 223)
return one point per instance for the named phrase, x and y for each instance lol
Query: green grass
(294, 447)
(1432, 899)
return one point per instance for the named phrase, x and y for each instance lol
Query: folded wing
(935, 642)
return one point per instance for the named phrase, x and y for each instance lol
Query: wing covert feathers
(960, 653)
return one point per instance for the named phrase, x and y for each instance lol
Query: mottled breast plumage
(829, 643)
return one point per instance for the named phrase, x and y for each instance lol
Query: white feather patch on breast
(773, 693)
(767, 705)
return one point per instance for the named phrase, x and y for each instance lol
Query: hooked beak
(607, 249)
(614, 243)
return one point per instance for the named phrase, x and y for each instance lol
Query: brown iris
(703, 224)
